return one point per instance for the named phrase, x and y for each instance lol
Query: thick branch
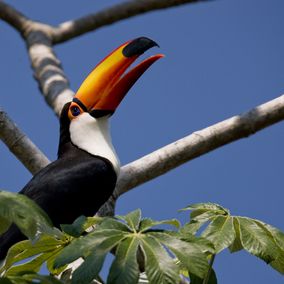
(199, 143)
(47, 68)
(126, 10)
(20, 145)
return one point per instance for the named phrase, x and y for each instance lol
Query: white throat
(93, 136)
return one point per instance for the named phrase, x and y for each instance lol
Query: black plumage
(77, 183)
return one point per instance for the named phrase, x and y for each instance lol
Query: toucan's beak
(105, 87)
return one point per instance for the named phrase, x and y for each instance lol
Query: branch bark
(40, 38)
(199, 143)
(20, 145)
(13, 17)
(126, 10)
(48, 71)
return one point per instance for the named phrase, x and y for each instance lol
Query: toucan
(84, 176)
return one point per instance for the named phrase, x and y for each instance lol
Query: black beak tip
(138, 46)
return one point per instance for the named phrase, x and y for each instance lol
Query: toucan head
(106, 86)
(103, 90)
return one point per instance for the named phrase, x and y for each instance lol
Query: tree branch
(199, 143)
(40, 37)
(13, 17)
(48, 71)
(126, 10)
(20, 145)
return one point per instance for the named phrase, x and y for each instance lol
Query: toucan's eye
(75, 110)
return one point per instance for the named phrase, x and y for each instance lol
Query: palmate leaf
(5, 223)
(124, 268)
(92, 265)
(84, 246)
(26, 249)
(132, 219)
(32, 278)
(204, 211)
(128, 235)
(33, 265)
(189, 253)
(5, 280)
(236, 233)
(159, 266)
(80, 225)
(256, 240)
(212, 278)
(236, 244)
(278, 238)
(261, 240)
(147, 223)
(220, 232)
(28, 216)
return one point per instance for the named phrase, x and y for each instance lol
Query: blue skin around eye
(75, 111)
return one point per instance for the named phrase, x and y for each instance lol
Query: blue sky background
(222, 58)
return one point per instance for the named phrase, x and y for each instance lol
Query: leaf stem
(206, 279)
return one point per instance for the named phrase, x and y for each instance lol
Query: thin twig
(122, 11)
(13, 17)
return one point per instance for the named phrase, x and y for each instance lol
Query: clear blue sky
(222, 58)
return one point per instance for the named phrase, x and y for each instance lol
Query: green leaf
(220, 232)
(236, 245)
(212, 278)
(189, 253)
(204, 244)
(5, 281)
(50, 263)
(4, 225)
(278, 239)
(26, 249)
(42, 278)
(278, 264)
(33, 265)
(92, 265)
(160, 267)
(200, 208)
(90, 268)
(148, 223)
(80, 225)
(191, 228)
(124, 268)
(256, 240)
(277, 235)
(112, 223)
(132, 219)
(28, 216)
(85, 245)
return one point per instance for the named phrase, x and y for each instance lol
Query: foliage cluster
(145, 251)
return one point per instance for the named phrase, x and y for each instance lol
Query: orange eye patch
(74, 110)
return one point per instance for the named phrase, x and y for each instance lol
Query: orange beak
(105, 87)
